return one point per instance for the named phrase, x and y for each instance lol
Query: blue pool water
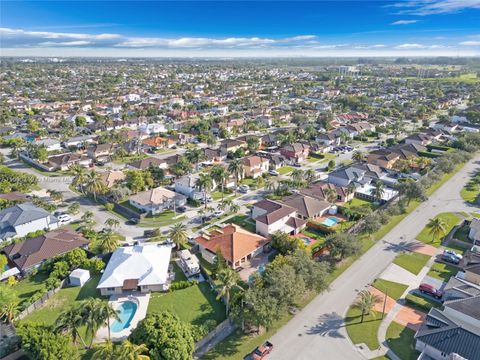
(331, 221)
(126, 311)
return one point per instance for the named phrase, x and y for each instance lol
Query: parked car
(453, 253)
(273, 173)
(450, 258)
(133, 221)
(64, 219)
(430, 290)
(243, 188)
(218, 213)
(209, 199)
(181, 209)
(297, 165)
(261, 351)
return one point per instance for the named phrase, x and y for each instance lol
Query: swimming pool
(306, 240)
(126, 312)
(331, 221)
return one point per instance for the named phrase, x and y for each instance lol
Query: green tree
(235, 167)
(228, 280)
(219, 175)
(94, 184)
(107, 241)
(112, 223)
(74, 208)
(3, 263)
(178, 234)
(135, 181)
(366, 303)
(437, 227)
(342, 245)
(195, 156)
(69, 321)
(205, 184)
(378, 190)
(165, 336)
(79, 174)
(9, 303)
(284, 243)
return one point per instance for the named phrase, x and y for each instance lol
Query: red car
(261, 351)
(430, 290)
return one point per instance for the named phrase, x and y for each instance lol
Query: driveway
(319, 327)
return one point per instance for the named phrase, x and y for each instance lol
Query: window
(111, 289)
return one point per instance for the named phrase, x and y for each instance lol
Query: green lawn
(401, 342)
(421, 303)
(450, 221)
(358, 202)
(365, 332)
(194, 305)
(470, 193)
(285, 170)
(165, 218)
(462, 234)
(179, 275)
(244, 221)
(442, 271)
(217, 195)
(411, 261)
(249, 181)
(27, 287)
(391, 288)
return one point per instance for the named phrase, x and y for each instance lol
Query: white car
(218, 213)
(273, 173)
(243, 188)
(64, 219)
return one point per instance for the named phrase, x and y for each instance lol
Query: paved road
(317, 331)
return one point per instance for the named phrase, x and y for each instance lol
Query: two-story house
(254, 166)
(295, 153)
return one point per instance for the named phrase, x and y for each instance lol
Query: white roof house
(137, 268)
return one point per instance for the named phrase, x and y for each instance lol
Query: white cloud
(470, 43)
(432, 7)
(410, 46)
(404, 22)
(66, 43)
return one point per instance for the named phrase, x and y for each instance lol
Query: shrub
(182, 285)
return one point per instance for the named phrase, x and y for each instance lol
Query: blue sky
(247, 28)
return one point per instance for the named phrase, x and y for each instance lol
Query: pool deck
(115, 300)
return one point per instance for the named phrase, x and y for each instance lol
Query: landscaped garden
(412, 261)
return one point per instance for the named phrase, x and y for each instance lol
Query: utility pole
(384, 303)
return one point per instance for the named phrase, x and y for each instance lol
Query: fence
(221, 331)
(39, 303)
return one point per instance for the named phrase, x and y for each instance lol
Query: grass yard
(165, 218)
(470, 194)
(450, 221)
(411, 261)
(243, 221)
(194, 305)
(217, 195)
(179, 275)
(355, 202)
(365, 332)
(401, 342)
(249, 181)
(285, 170)
(421, 303)
(27, 287)
(391, 288)
(442, 271)
(462, 234)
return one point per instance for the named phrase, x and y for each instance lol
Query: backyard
(27, 287)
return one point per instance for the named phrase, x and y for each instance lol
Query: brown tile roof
(317, 190)
(145, 163)
(306, 206)
(33, 251)
(112, 176)
(232, 241)
(254, 160)
(275, 211)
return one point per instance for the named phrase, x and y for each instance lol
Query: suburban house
(254, 166)
(143, 268)
(31, 253)
(474, 232)
(101, 152)
(187, 185)
(50, 144)
(347, 175)
(237, 245)
(188, 262)
(158, 142)
(451, 333)
(328, 139)
(112, 177)
(318, 191)
(407, 151)
(156, 200)
(419, 139)
(470, 265)
(307, 207)
(384, 158)
(65, 161)
(79, 141)
(21, 219)
(232, 145)
(213, 155)
(295, 153)
(144, 164)
(271, 216)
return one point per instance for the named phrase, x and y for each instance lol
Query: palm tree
(350, 190)
(79, 176)
(9, 310)
(330, 195)
(219, 174)
(55, 195)
(104, 351)
(297, 175)
(105, 312)
(310, 176)
(228, 280)
(107, 241)
(130, 351)
(69, 321)
(358, 156)
(112, 223)
(194, 156)
(178, 234)
(366, 303)
(378, 190)
(202, 213)
(234, 208)
(269, 184)
(94, 183)
(205, 184)
(236, 168)
(437, 228)
(87, 218)
(15, 149)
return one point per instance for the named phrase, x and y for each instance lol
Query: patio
(255, 264)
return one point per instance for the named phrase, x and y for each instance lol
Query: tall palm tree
(79, 176)
(107, 241)
(87, 218)
(330, 195)
(269, 184)
(366, 303)
(70, 321)
(178, 234)
(228, 280)
(310, 176)
(437, 227)
(195, 156)
(112, 223)
(297, 175)
(130, 351)
(219, 174)
(106, 312)
(378, 190)
(94, 183)
(205, 184)
(235, 167)
(55, 195)
(9, 310)
(234, 208)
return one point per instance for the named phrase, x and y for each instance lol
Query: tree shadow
(398, 248)
(328, 325)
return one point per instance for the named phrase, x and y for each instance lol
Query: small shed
(79, 277)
